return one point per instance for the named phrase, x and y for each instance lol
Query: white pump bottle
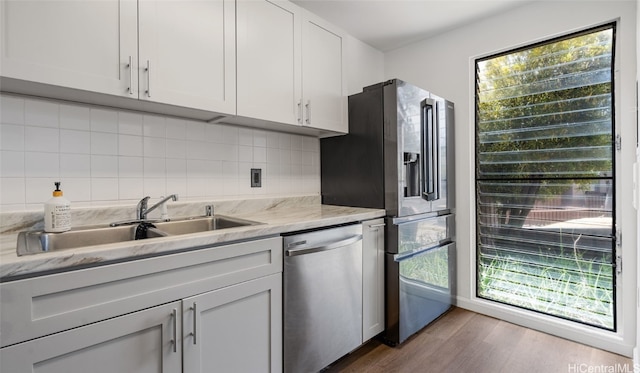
(57, 212)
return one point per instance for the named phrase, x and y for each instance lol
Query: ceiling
(390, 24)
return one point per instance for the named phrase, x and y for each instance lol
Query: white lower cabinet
(216, 309)
(141, 342)
(372, 278)
(228, 323)
(235, 329)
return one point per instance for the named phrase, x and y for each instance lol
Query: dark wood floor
(463, 341)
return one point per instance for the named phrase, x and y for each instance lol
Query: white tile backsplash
(130, 124)
(12, 191)
(103, 189)
(103, 120)
(41, 164)
(131, 188)
(129, 145)
(104, 143)
(130, 167)
(78, 187)
(106, 156)
(154, 168)
(75, 117)
(195, 130)
(104, 166)
(12, 110)
(11, 137)
(154, 146)
(75, 165)
(39, 189)
(11, 163)
(176, 129)
(74, 141)
(41, 113)
(41, 139)
(154, 126)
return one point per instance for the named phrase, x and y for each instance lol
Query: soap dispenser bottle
(57, 212)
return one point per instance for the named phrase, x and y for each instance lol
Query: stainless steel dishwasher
(322, 297)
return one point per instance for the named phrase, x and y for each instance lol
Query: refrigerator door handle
(417, 218)
(411, 254)
(430, 150)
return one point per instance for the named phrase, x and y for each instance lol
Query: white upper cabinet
(78, 44)
(172, 52)
(324, 89)
(290, 66)
(187, 53)
(268, 61)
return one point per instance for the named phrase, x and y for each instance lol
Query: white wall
(444, 65)
(636, 351)
(106, 156)
(365, 67)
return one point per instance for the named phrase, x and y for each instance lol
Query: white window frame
(621, 341)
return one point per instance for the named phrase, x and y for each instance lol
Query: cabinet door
(187, 53)
(373, 278)
(235, 329)
(140, 342)
(86, 45)
(269, 61)
(324, 91)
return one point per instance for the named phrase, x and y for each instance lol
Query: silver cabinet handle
(308, 107)
(331, 246)
(195, 325)
(148, 70)
(130, 66)
(174, 315)
(376, 226)
(300, 112)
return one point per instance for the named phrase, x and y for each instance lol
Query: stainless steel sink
(33, 242)
(202, 224)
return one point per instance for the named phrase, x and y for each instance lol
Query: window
(544, 177)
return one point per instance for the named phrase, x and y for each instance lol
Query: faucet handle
(141, 208)
(143, 202)
(208, 210)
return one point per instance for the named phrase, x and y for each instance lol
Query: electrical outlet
(256, 177)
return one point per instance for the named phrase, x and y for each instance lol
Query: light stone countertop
(278, 215)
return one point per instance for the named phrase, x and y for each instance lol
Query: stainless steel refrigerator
(399, 156)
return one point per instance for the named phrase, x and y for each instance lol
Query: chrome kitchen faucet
(142, 210)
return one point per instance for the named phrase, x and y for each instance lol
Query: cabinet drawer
(43, 305)
(140, 342)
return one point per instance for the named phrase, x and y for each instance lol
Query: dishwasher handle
(331, 246)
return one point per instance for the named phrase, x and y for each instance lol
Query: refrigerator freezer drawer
(420, 288)
(409, 235)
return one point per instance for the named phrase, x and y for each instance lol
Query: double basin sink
(33, 242)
